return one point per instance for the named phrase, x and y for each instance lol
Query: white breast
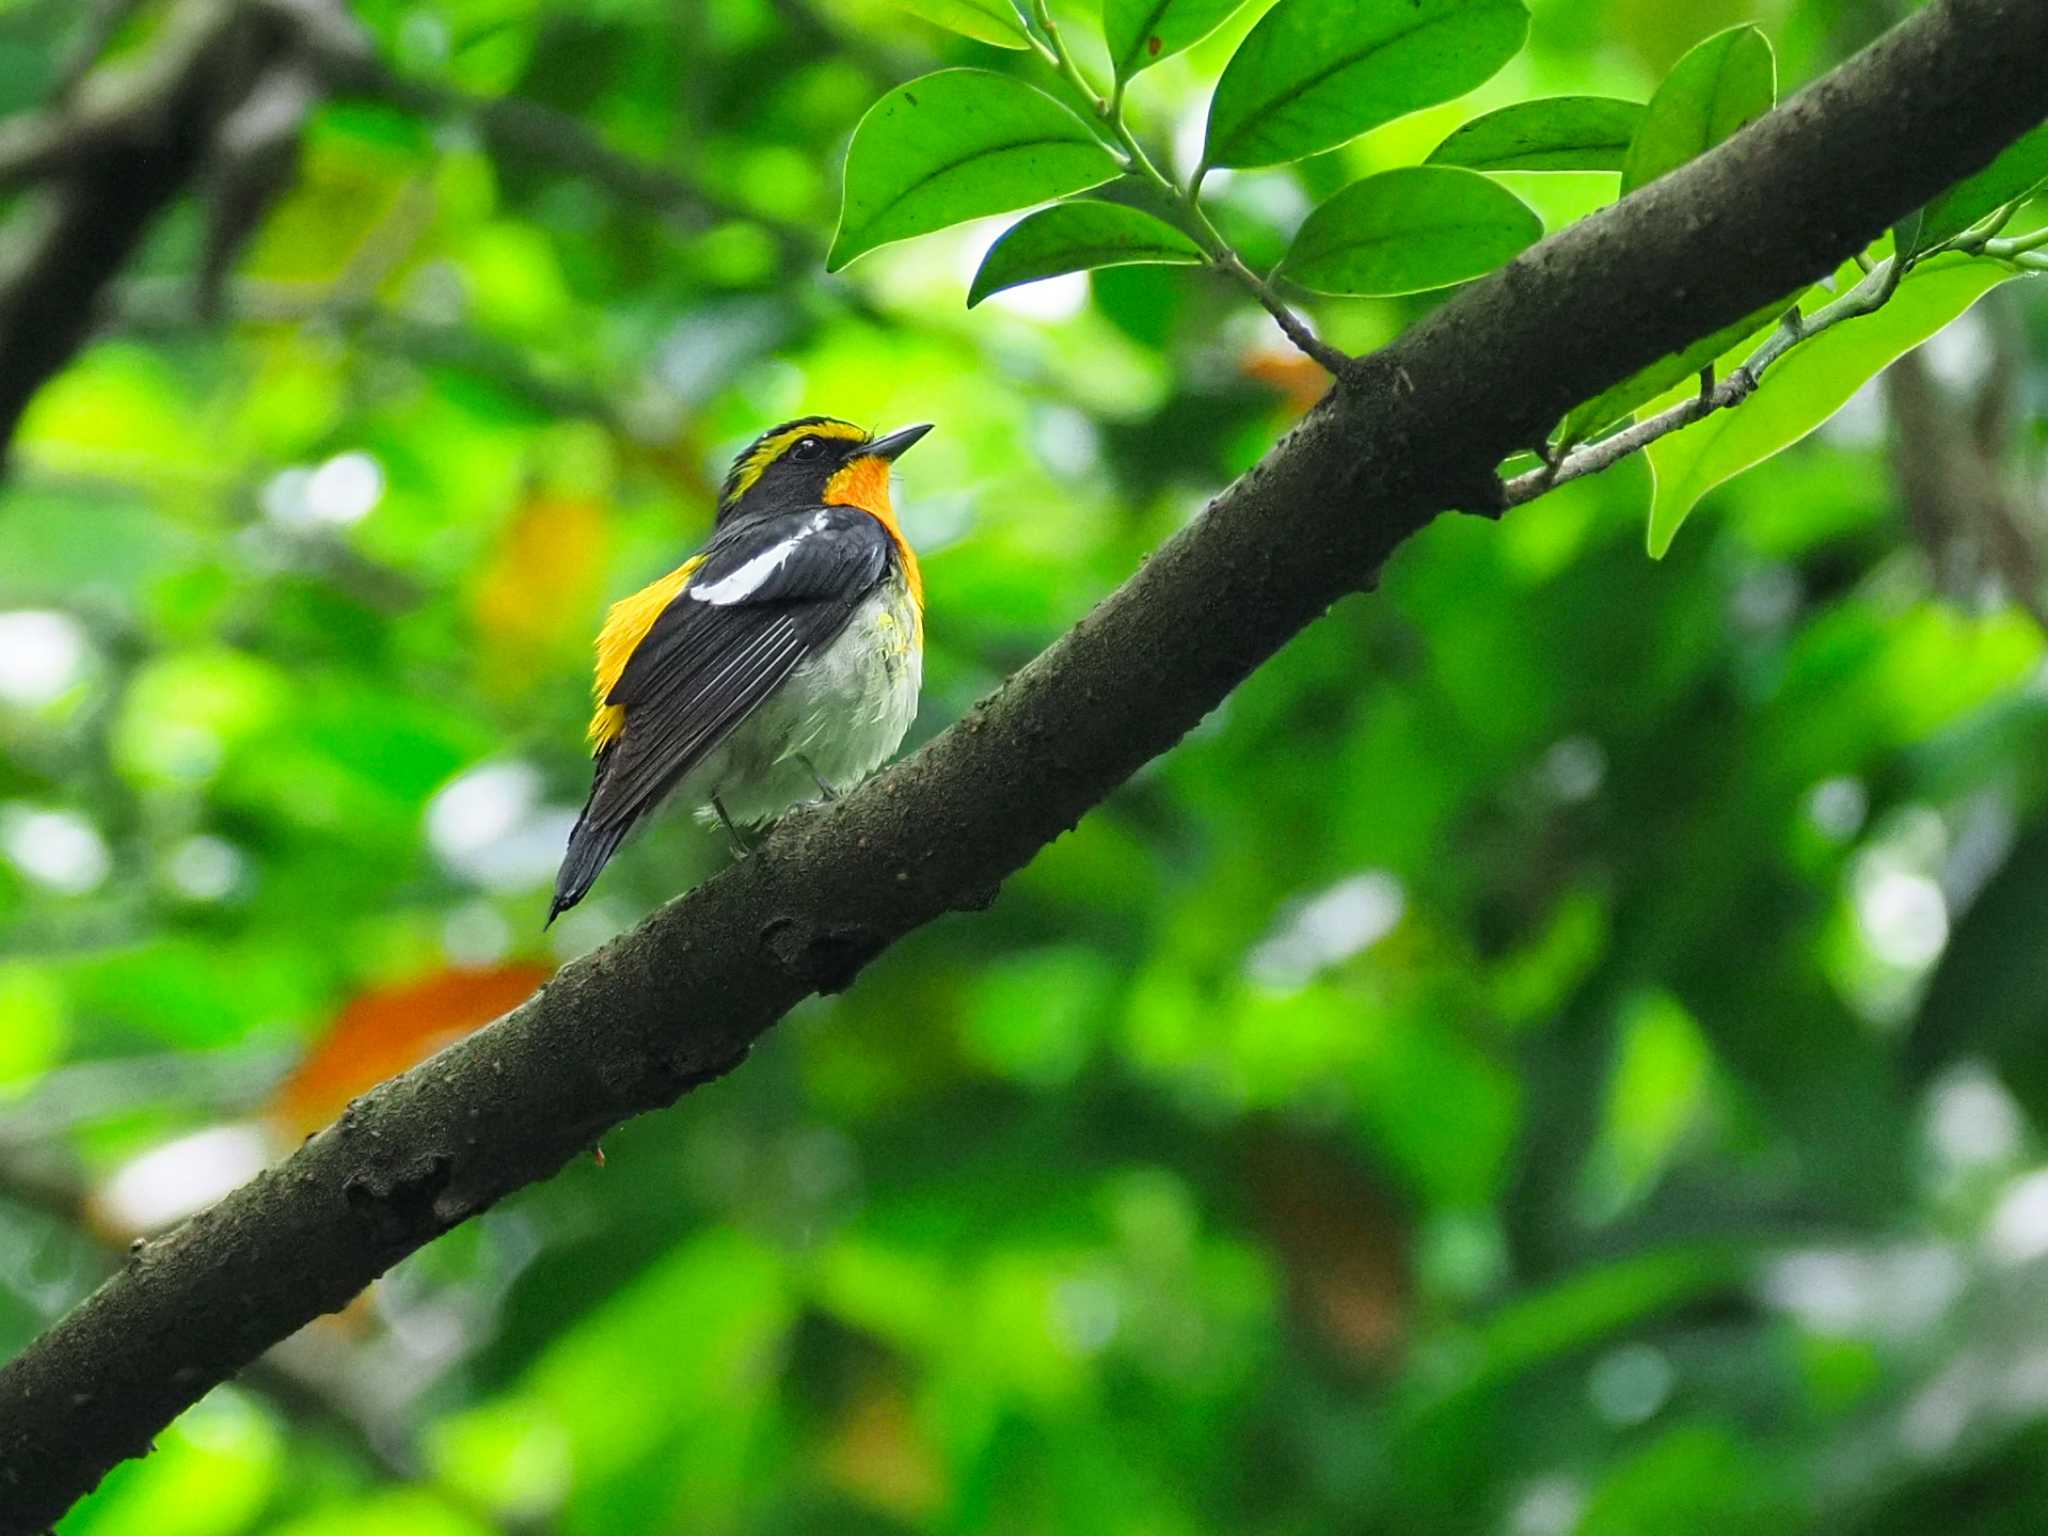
(842, 711)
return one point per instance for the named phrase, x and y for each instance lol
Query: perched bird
(779, 663)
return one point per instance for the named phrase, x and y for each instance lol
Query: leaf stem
(1979, 235)
(1187, 200)
(1056, 54)
(1335, 361)
(2017, 245)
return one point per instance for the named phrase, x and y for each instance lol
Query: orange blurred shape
(385, 1031)
(880, 1456)
(1299, 380)
(1342, 1244)
(538, 590)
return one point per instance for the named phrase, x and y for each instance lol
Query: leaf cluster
(1312, 75)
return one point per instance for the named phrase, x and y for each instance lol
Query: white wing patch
(746, 581)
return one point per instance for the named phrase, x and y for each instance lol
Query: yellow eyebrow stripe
(625, 626)
(771, 448)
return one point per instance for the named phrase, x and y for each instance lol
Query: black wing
(769, 593)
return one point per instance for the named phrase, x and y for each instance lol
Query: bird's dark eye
(806, 448)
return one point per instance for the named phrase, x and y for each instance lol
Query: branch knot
(825, 957)
(399, 1205)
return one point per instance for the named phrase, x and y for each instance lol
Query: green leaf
(1314, 73)
(1807, 386)
(955, 146)
(1722, 84)
(1142, 32)
(2022, 167)
(1410, 230)
(1601, 1300)
(986, 21)
(1611, 405)
(1074, 237)
(1557, 133)
(1565, 1318)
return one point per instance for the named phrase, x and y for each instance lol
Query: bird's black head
(812, 461)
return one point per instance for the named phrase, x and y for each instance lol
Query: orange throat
(864, 483)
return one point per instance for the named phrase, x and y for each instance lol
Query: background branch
(1954, 489)
(108, 174)
(103, 18)
(348, 59)
(1408, 432)
(221, 100)
(158, 307)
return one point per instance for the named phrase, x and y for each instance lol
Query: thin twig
(1870, 294)
(1610, 451)
(1980, 234)
(254, 162)
(1335, 360)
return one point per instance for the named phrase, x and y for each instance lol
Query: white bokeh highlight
(59, 850)
(1349, 917)
(42, 653)
(490, 826)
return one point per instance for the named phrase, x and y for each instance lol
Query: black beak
(894, 445)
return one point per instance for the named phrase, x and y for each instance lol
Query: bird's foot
(741, 848)
(825, 791)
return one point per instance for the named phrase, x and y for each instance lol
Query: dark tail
(591, 846)
(590, 849)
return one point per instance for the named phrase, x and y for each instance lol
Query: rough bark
(1408, 432)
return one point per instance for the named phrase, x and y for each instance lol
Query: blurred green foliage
(1559, 1051)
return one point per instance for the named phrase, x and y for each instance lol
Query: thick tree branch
(1415, 429)
(308, 1376)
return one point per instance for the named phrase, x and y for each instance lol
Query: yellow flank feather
(625, 626)
(769, 449)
